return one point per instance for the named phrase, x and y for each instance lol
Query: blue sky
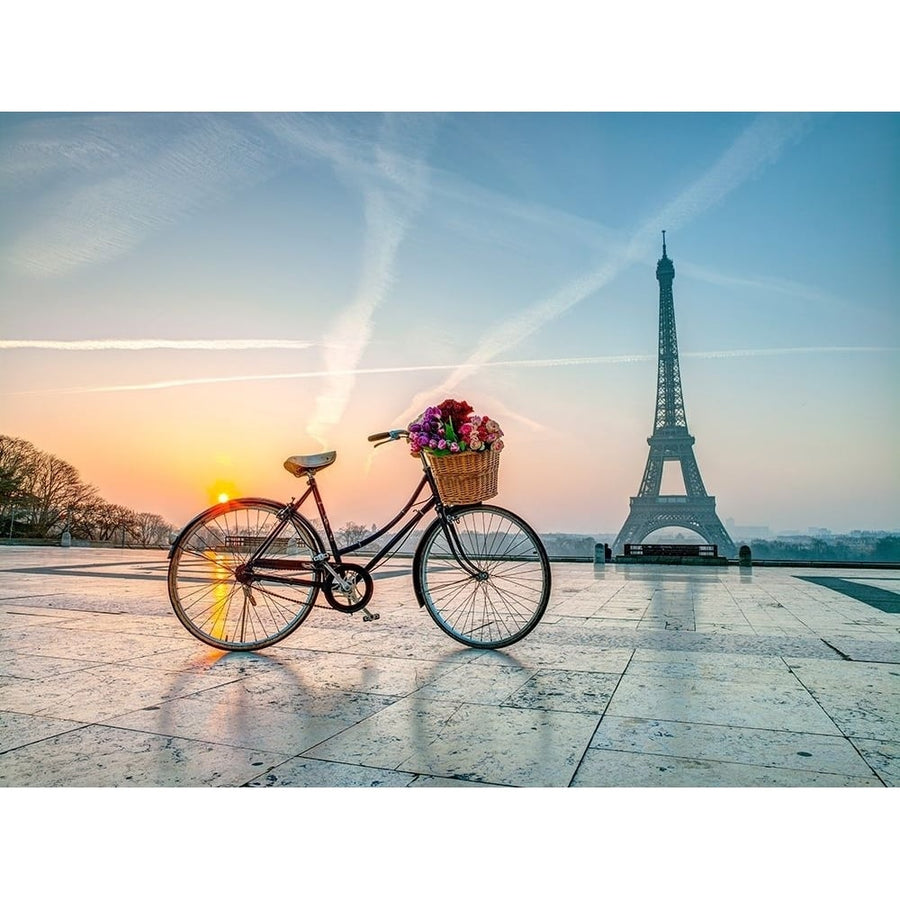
(347, 269)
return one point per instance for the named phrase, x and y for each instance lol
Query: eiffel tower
(670, 440)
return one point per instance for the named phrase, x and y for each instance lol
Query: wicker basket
(467, 477)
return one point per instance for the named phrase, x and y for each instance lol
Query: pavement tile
(302, 772)
(98, 693)
(99, 756)
(540, 654)
(776, 703)
(613, 768)
(20, 729)
(84, 643)
(428, 781)
(863, 699)
(241, 718)
(194, 656)
(521, 747)
(586, 692)
(375, 674)
(30, 667)
(883, 757)
(717, 743)
(708, 666)
(475, 684)
(887, 651)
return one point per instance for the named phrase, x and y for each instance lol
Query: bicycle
(245, 574)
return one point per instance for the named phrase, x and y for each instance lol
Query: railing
(671, 549)
(248, 542)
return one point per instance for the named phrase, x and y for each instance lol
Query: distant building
(747, 532)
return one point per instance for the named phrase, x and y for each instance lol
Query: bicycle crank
(354, 594)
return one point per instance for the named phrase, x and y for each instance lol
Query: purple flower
(453, 427)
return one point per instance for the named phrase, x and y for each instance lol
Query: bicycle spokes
(228, 597)
(483, 576)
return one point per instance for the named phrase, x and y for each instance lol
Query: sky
(189, 298)
(188, 294)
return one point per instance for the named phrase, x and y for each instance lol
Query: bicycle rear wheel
(211, 591)
(506, 593)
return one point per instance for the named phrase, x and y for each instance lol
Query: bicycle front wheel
(225, 604)
(494, 588)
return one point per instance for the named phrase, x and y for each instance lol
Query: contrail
(155, 344)
(508, 364)
(760, 143)
(393, 193)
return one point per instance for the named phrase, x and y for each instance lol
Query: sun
(222, 490)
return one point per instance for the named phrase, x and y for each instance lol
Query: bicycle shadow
(457, 723)
(238, 708)
(465, 725)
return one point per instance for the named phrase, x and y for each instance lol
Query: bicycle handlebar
(393, 435)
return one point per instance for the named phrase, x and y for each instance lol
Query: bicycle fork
(449, 529)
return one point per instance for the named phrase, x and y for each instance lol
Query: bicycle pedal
(370, 617)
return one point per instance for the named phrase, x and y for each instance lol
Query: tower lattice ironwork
(671, 440)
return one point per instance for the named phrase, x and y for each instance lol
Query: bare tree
(41, 487)
(55, 488)
(17, 461)
(351, 533)
(104, 521)
(40, 495)
(152, 530)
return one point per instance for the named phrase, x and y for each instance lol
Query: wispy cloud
(106, 183)
(157, 344)
(767, 285)
(611, 360)
(393, 179)
(92, 188)
(760, 144)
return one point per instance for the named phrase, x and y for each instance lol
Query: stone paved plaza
(638, 676)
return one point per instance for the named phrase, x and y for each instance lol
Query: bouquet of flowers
(461, 449)
(453, 427)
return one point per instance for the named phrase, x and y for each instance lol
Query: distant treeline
(885, 548)
(43, 496)
(568, 545)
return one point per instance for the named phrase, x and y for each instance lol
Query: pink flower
(453, 427)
